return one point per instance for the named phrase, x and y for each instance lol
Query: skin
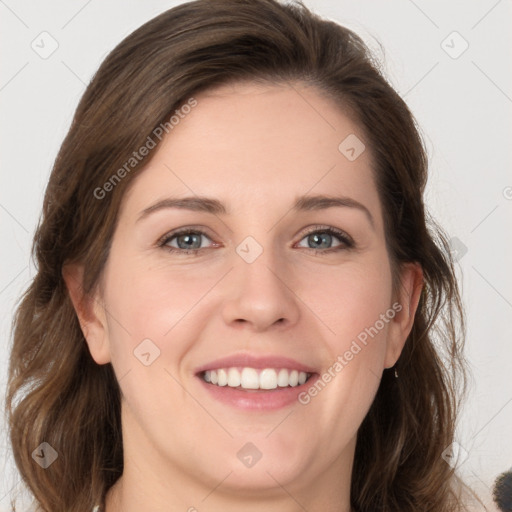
(255, 148)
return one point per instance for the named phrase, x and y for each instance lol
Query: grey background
(463, 104)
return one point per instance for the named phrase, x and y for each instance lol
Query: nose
(261, 295)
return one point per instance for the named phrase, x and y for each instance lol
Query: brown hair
(58, 394)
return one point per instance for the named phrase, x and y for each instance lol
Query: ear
(406, 305)
(90, 312)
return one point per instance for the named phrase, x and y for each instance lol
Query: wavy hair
(56, 392)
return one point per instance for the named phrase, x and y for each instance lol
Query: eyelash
(346, 241)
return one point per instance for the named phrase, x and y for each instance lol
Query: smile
(252, 378)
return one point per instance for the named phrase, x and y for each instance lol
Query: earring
(396, 374)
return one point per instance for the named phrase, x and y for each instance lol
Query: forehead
(251, 144)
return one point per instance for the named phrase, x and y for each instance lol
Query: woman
(238, 284)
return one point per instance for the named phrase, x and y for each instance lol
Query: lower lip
(260, 400)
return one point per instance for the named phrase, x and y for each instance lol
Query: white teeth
(282, 378)
(222, 377)
(268, 379)
(233, 378)
(250, 378)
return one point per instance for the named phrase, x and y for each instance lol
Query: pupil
(188, 240)
(318, 238)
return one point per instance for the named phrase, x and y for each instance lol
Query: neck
(126, 497)
(153, 483)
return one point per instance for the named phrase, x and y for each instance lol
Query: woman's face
(257, 176)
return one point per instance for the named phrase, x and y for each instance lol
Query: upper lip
(257, 362)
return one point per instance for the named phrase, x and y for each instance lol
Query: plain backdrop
(449, 60)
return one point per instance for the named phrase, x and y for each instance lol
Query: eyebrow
(321, 202)
(215, 207)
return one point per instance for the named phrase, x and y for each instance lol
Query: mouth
(248, 382)
(257, 383)
(253, 379)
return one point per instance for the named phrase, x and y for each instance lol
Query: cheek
(356, 306)
(349, 381)
(150, 302)
(151, 326)
(350, 299)
(167, 306)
